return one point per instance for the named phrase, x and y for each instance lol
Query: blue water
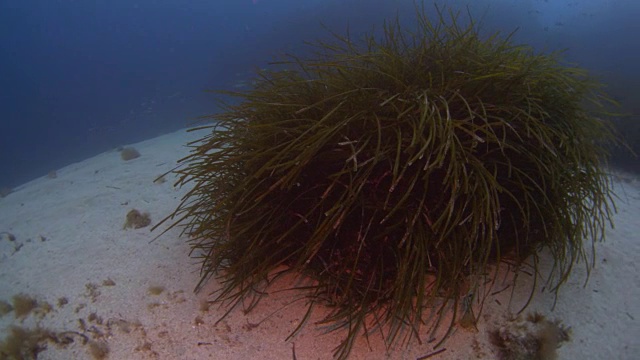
(81, 77)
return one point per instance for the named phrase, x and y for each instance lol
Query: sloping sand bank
(84, 287)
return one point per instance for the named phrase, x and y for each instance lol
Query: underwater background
(82, 77)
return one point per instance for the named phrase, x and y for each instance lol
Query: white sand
(70, 240)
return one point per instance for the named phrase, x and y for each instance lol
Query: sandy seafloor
(70, 244)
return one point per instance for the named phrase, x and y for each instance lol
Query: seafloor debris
(137, 220)
(129, 153)
(529, 338)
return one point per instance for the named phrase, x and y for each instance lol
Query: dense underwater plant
(395, 171)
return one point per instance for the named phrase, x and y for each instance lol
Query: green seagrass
(394, 171)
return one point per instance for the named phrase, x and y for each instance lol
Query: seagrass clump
(394, 171)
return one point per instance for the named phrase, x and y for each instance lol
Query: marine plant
(22, 343)
(23, 305)
(626, 157)
(394, 171)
